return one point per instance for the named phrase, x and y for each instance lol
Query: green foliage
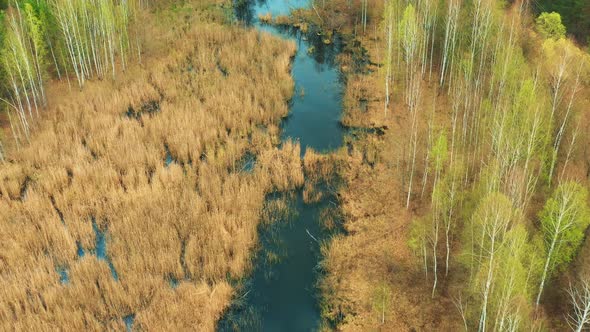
(408, 32)
(504, 262)
(439, 151)
(564, 219)
(388, 18)
(575, 15)
(409, 17)
(511, 298)
(35, 28)
(381, 300)
(491, 219)
(417, 239)
(550, 26)
(2, 32)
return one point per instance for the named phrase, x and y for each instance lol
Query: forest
(478, 185)
(148, 148)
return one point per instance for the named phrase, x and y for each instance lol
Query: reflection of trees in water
(324, 54)
(244, 10)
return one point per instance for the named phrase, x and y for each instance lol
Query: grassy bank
(154, 162)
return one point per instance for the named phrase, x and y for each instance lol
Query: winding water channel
(280, 295)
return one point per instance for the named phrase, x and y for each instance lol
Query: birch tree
(22, 61)
(440, 204)
(364, 10)
(579, 317)
(450, 38)
(388, 21)
(410, 39)
(452, 189)
(564, 220)
(569, 110)
(491, 221)
(94, 31)
(511, 289)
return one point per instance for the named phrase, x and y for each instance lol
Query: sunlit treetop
(550, 26)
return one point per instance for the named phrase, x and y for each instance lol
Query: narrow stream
(280, 295)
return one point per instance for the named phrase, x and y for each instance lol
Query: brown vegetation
(321, 175)
(373, 260)
(153, 160)
(374, 254)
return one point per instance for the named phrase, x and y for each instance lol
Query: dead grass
(321, 172)
(373, 252)
(204, 95)
(265, 18)
(282, 167)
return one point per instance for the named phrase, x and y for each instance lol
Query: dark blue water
(80, 250)
(314, 118)
(173, 282)
(281, 293)
(128, 320)
(246, 163)
(64, 277)
(101, 249)
(168, 159)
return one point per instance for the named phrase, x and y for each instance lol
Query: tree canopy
(550, 26)
(575, 15)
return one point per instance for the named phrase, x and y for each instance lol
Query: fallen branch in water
(308, 233)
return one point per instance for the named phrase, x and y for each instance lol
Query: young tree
(418, 241)
(518, 139)
(452, 21)
(579, 318)
(491, 220)
(364, 10)
(569, 110)
(440, 204)
(388, 21)
(511, 297)
(564, 220)
(411, 37)
(452, 185)
(381, 299)
(549, 25)
(21, 57)
(439, 154)
(37, 46)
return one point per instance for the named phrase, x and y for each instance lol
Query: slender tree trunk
(546, 268)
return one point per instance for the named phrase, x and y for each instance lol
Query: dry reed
(150, 159)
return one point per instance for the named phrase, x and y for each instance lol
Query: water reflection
(281, 293)
(247, 11)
